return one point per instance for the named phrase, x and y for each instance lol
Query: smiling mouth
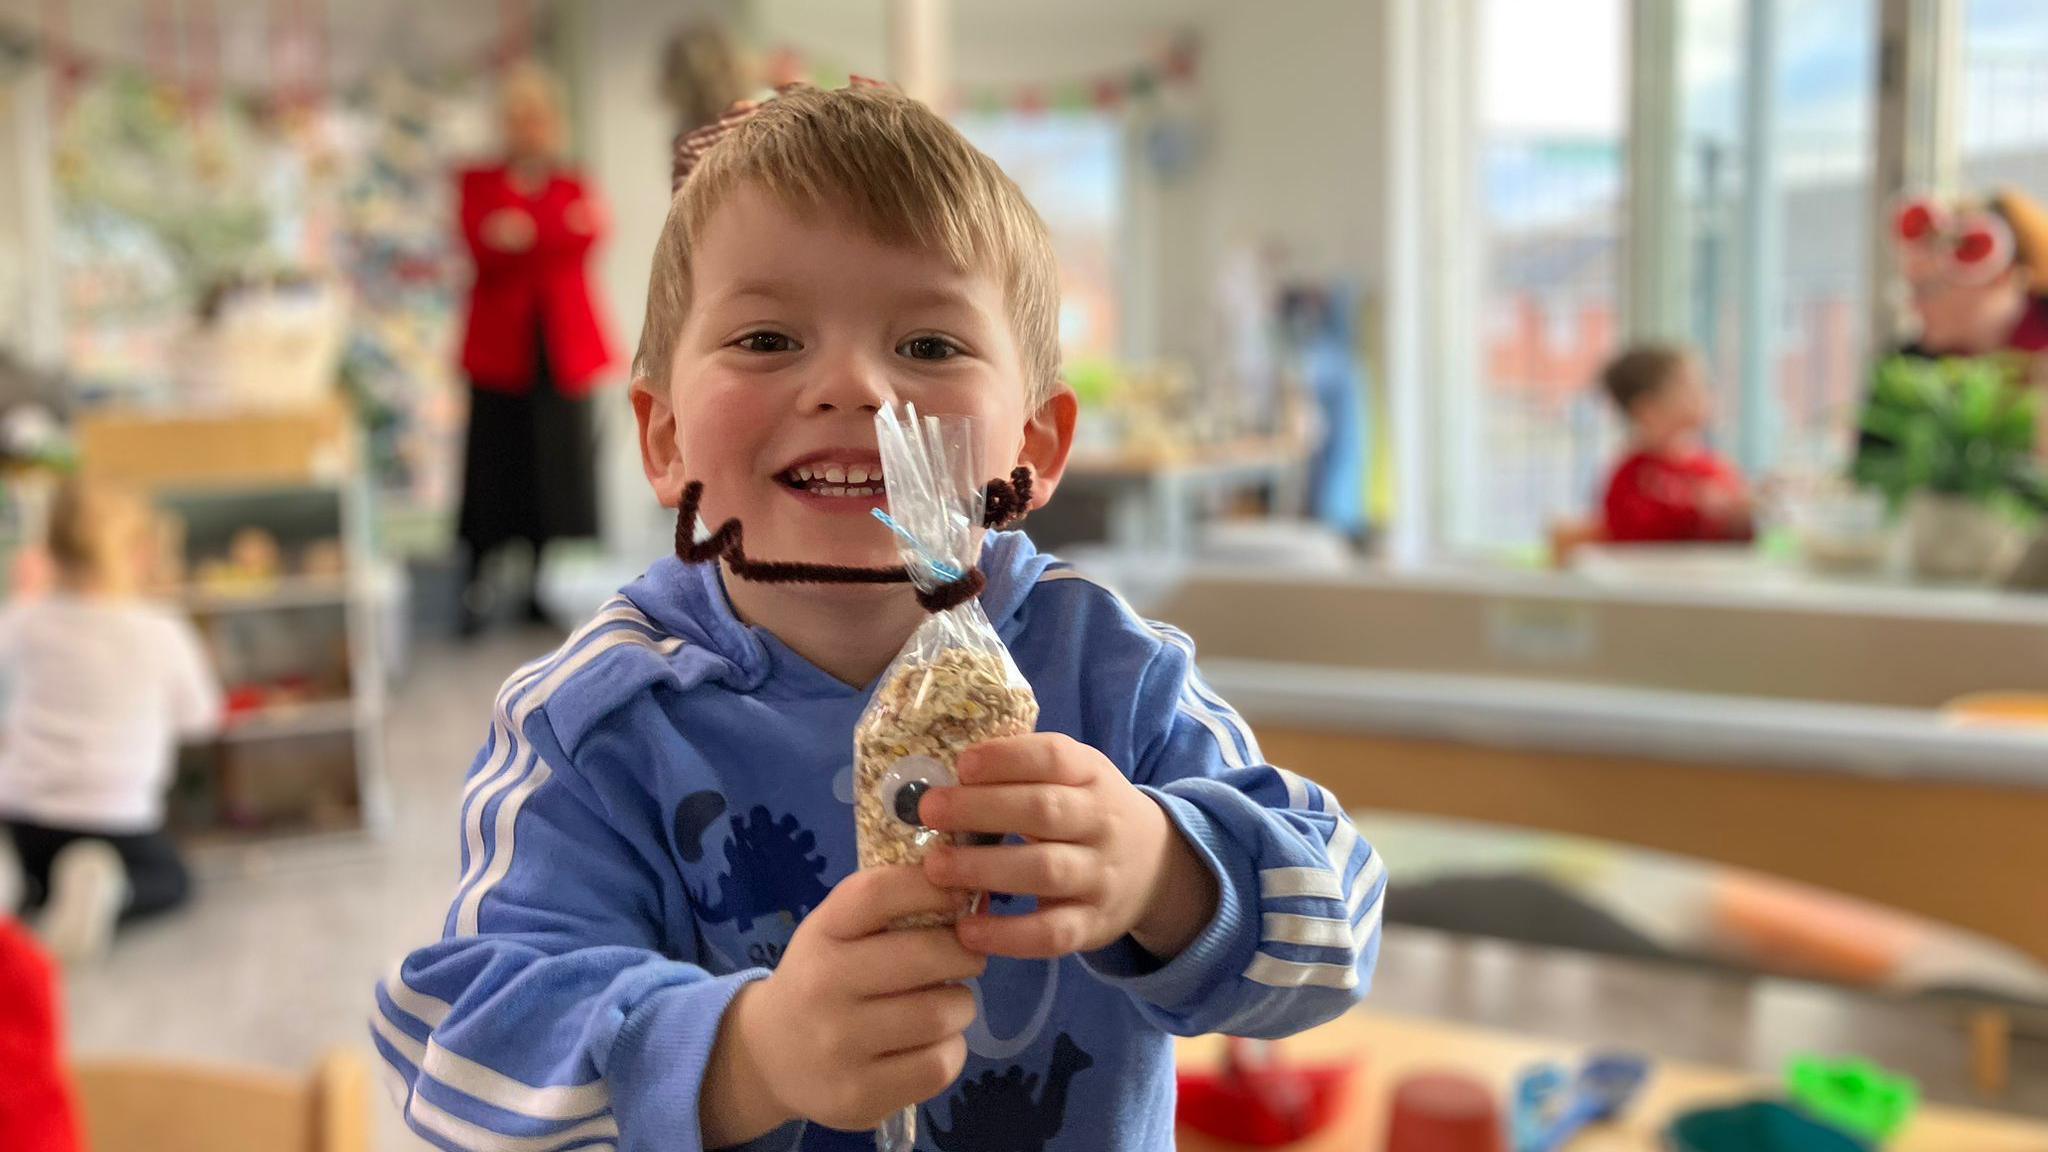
(849, 481)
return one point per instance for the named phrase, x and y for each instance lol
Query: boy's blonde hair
(899, 171)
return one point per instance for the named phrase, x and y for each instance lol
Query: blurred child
(35, 1106)
(1670, 488)
(101, 684)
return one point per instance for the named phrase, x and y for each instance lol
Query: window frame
(1434, 297)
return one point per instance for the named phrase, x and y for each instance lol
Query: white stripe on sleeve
(1310, 931)
(1279, 883)
(486, 869)
(476, 1138)
(1277, 973)
(428, 1010)
(1297, 790)
(1368, 877)
(1196, 701)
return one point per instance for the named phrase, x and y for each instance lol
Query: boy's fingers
(1040, 811)
(871, 899)
(1047, 934)
(892, 963)
(913, 1077)
(915, 1020)
(1048, 871)
(1039, 758)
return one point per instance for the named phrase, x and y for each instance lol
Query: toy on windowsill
(1856, 1096)
(323, 560)
(1259, 1100)
(244, 702)
(252, 567)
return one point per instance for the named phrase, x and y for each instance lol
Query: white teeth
(850, 475)
(860, 491)
(831, 491)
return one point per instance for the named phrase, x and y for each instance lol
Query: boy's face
(801, 326)
(1684, 406)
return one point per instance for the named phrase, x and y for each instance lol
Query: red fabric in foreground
(36, 1113)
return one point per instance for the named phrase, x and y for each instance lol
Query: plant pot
(1841, 533)
(1950, 538)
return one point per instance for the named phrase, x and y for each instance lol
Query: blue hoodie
(661, 800)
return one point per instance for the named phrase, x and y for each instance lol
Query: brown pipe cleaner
(1005, 502)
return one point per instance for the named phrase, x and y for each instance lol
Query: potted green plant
(1951, 445)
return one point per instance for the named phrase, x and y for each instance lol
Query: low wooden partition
(1972, 855)
(1801, 739)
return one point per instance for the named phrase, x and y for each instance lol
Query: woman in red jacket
(535, 346)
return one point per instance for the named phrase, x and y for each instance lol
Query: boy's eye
(766, 342)
(929, 348)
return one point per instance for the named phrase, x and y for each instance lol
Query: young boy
(659, 940)
(1670, 488)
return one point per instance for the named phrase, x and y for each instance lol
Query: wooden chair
(153, 1105)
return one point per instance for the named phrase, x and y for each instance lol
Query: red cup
(1444, 1112)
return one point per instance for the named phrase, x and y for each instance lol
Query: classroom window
(1819, 140)
(2004, 95)
(1070, 167)
(1551, 184)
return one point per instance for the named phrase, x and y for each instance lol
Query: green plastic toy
(1854, 1095)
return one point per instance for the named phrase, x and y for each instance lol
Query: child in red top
(1670, 488)
(35, 1107)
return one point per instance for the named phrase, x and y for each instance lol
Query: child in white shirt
(101, 684)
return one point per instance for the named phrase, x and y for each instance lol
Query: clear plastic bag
(952, 686)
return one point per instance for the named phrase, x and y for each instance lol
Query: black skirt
(530, 465)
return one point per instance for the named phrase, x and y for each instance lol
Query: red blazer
(545, 284)
(35, 1103)
(1656, 500)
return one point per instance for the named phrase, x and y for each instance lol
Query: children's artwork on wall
(173, 205)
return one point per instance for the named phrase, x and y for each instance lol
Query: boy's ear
(660, 458)
(1049, 441)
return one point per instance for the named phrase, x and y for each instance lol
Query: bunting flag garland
(1176, 65)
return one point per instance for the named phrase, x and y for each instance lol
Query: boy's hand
(856, 1022)
(1102, 858)
(1725, 503)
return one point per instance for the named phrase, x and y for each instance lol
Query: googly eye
(907, 798)
(903, 786)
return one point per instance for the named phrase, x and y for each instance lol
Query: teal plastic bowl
(1759, 1126)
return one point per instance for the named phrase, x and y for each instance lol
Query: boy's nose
(853, 383)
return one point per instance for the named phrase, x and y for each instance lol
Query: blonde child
(659, 940)
(101, 684)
